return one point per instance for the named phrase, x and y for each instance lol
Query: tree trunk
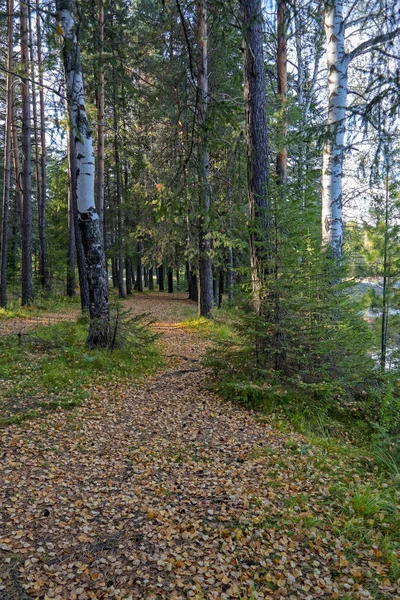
(281, 160)
(146, 277)
(71, 284)
(151, 279)
(139, 268)
(16, 157)
(161, 278)
(332, 160)
(114, 272)
(7, 157)
(192, 283)
(99, 331)
(257, 147)
(121, 291)
(221, 287)
(44, 279)
(26, 233)
(385, 294)
(100, 122)
(80, 254)
(44, 270)
(205, 265)
(170, 281)
(128, 277)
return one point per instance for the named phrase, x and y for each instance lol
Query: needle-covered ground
(158, 489)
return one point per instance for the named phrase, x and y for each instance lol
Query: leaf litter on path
(159, 489)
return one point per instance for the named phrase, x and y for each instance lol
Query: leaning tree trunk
(7, 157)
(332, 162)
(257, 146)
(99, 330)
(26, 233)
(205, 265)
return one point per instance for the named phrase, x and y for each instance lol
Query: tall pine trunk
(7, 157)
(257, 146)
(205, 265)
(121, 290)
(16, 156)
(281, 160)
(26, 233)
(44, 269)
(99, 330)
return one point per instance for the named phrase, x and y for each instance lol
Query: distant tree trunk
(281, 165)
(44, 269)
(221, 286)
(43, 272)
(215, 292)
(177, 277)
(71, 254)
(281, 160)
(205, 265)
(192, 283)
(257, 146)
(7, 156)
(385, 295)
(100, 121)
(128, 277)
(170, 281)
(16, 157)
(151, 279)
(230, 274)
(139, 268)
(114, 272)
(80, 254)
(121, 290)
(133, 279)
(26, 233)
(146, 277)
(99, 331)
(161, 278)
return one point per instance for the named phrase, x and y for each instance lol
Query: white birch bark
(332, 162)
(332, 165)
(82, 147)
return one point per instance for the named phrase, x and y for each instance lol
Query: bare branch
(375, 41)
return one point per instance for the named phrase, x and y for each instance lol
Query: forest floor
(159, 489)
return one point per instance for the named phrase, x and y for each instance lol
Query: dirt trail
(161, 490)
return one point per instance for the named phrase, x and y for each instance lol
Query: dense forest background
(245, 152)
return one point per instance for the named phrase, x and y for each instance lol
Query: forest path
(161, 490)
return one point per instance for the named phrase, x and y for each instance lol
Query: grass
(51, 368)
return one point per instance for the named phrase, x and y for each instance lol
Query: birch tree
(82, 147)
(338, 61)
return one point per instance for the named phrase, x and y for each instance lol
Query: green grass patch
(51, 367)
